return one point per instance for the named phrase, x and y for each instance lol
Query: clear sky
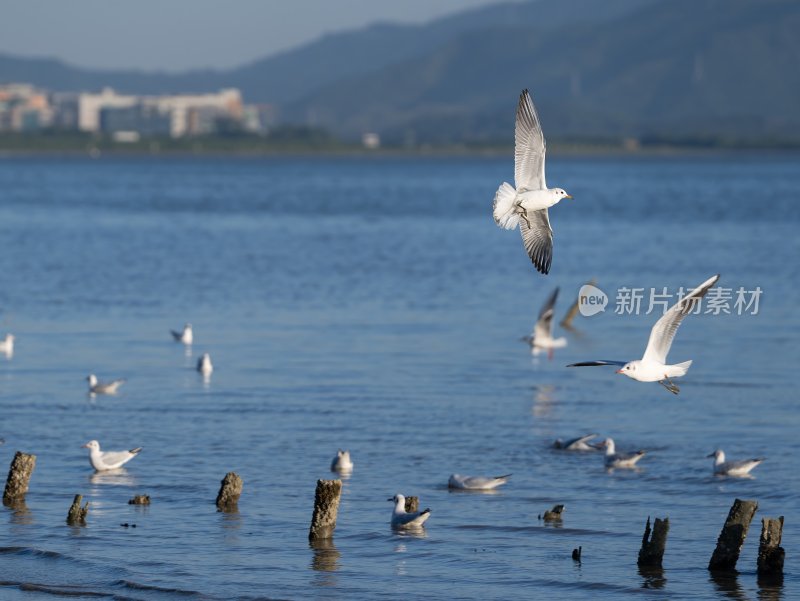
(180, 34)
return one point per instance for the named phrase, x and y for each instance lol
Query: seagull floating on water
(476, 482)
(7, 345)
(541, 339)
(97, 387)
(103, 461)
(732, 468)
(577, 444)
(204, 365)
(614, 459)
(185, 336)
(652, 367)
(401, 519)
(526, 202)
(342, 462)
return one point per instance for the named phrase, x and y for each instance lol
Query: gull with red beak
(653, 367)
(526, 202)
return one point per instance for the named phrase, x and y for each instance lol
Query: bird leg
(523, 214)
(669, 385)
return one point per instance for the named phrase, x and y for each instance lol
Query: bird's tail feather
(680, 369)
(503, 207)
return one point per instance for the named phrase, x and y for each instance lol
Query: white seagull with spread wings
(541, 339)
(526, 202)
(653, 367)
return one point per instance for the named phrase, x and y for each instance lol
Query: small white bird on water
(577, 444)
(103, 461)
(7, 345)
(401, 519)
(652, 367)
(97, 387)
(526, 202)
(541, 338)
(342, 462)
(614, 459)
(733, 468)
(185, 336)
(204, 365)
(476, 482)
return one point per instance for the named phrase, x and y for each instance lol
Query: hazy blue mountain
(295, 73)
(676, 68)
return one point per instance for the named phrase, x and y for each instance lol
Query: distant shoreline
(20, 146)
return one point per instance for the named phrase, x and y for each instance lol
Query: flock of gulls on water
(525, 205)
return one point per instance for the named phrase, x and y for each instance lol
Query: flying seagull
(732, 468)
(541, 339)
(526, 202)
(653, 367)
(108, 460)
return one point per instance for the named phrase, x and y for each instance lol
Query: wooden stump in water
(140, 500)
(770, 552)
(652, 552)
(229, 492)
(731, 539)
(326, 508)
(412, 504)
(553, 515)
(77, 514)
(19, 475)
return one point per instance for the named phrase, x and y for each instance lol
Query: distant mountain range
(597, 69)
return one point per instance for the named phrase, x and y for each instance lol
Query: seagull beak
(85, 446)
(390, 499)
(568, 196)
(619, 371)
(710, 455)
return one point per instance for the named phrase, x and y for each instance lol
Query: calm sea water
(372, 304)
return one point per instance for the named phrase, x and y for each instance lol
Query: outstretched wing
(598, 362)
(664, 330)
(544, 325)
(537, 239)
(529, 147)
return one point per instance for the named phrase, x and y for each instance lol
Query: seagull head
(561, 193)
(716, 454)
(629, 369)
(92, 445)
(398, 498)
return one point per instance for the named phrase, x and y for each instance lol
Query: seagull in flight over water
(653, 367)
(541, 339)
(526, 202)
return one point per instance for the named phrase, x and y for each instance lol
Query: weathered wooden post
(731, 538)
(229, 492)
(770, 552)
(326, 508)
(576, 554)
(652, 552)
(412, 504)
(19, 475)
(77, 514)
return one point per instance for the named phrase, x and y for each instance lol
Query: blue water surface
(372, 304)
